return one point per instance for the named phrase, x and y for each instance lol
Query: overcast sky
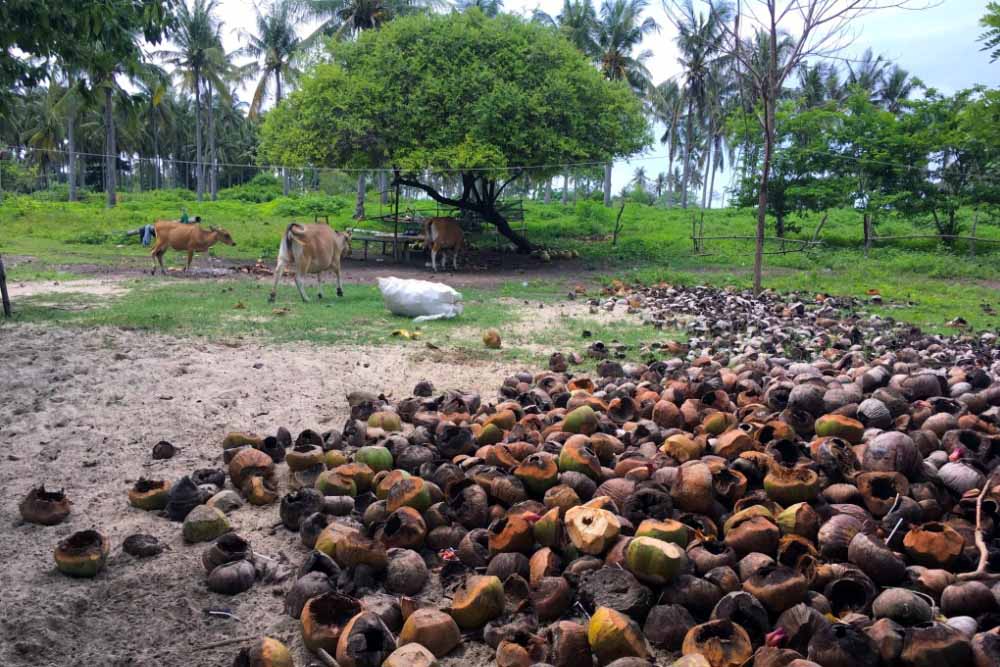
(938, 45)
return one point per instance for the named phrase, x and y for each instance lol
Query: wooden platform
(387, 244)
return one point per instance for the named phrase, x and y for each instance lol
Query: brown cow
(190, 238)
(311, 249)
(440, 235)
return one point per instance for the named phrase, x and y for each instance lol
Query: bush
(259, 189)
(308, 206)
(593, 217)
(55, 192)
(90, 237)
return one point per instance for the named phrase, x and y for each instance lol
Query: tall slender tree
(620, 30)
(273, 48)
(199, 50)
(700, 38)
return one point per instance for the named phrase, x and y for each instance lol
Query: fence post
(972, 240)
(3, 290)
(868, 237)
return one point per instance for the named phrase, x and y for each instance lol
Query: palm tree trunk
(199, 171)
(71, 138)
(565, 192)
(688, 138)
(670, 174)
(607, 184)
(711, 186)
(548, 190)
(285, 178)
(359, 202)
(110, 154)
(156, 152)
(213, 176)
(708, 165)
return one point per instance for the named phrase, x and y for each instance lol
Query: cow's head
(223, 236)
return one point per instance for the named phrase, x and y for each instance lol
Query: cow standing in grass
(442, 235)
(189, 238)
(311, 249)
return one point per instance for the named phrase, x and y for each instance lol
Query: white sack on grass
(420, 299)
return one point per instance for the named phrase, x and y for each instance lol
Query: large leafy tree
(349, 18)
(481, 98)
(32, 31)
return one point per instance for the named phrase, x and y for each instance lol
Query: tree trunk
(285, 178)
(213, 176)
(688, 138)
(359, 202)
(711, 186)
(156, 153)
(708, 165)
(765, 172)
(565, 192)
(548, 191)
(199, 171)
(670, 175)
(111, 155)
(71, 138)
(607, 184)
(383, 186)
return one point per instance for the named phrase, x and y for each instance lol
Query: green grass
(921, 281)
(238, 309)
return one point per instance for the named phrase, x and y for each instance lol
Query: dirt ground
(81, 410)
(481, 270)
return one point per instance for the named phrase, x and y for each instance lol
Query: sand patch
(101, 288)
(82, 412)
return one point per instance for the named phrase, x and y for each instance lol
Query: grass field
(923, 281)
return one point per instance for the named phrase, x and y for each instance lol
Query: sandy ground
(80, 410)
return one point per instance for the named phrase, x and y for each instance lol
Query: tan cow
(441, 235)
(311, 249)
(189, 238)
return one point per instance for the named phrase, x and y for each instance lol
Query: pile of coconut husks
(798, 484)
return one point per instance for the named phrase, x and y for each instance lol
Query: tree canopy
(67, 28)
(456, 92)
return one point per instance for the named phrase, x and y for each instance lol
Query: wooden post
(868, 237)
(395, 228)
(972, 241)
(3, 290)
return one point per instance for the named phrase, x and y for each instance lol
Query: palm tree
(700, 39)
(618, 34)
(667, 105)
(867, 72)
(488, 7)
(199, 52)
(896, 87)
(577, 21)
(277, 43)
(660, 183)
(155, 111)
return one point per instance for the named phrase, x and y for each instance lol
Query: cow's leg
(190, 257)
(336, 269)
(278, 270)
(434, 265)
(159, 258)
(299, 270)
(454, 258)
(319, 284)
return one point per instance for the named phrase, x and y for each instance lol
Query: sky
(938, 45)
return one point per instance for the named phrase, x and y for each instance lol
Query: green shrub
(259, 189)
(308, 206)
